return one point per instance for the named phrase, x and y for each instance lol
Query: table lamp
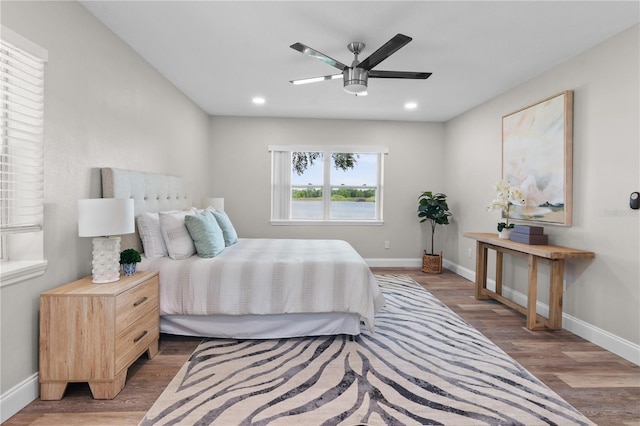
(103, 218)
(215, 202)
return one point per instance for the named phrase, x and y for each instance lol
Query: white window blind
(21, 152)
(281, 185)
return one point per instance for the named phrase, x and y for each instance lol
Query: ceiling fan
(356, 76)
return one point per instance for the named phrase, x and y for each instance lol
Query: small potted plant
(506, 196)
(434, 208)
(128, 259)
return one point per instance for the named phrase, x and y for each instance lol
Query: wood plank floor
(603, 386)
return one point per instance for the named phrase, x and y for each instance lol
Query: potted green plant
(434, 208)
(128, 259)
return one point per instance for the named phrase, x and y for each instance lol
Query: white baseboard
(394, 263)
(619, 346)
(18, 397)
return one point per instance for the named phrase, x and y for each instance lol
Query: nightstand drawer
(131, 343)
(134, 303)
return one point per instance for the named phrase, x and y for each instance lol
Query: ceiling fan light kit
(356, 77)
(355, 80)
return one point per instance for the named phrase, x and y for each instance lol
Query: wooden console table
(554, 255)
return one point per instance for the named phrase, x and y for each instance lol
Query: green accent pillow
(206, 233)
(228, 231)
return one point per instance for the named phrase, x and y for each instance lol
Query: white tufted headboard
(150, 192)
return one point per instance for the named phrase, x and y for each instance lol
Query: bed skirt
(262, 326)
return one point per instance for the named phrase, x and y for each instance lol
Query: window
(21, 157)
(327, 185)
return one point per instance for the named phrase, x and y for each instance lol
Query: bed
(253, 288)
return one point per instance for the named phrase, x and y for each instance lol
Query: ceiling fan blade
(387, 49)
(316, 79)
(399, 74)
(318, 55)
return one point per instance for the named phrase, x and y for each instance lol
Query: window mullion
(326, 184)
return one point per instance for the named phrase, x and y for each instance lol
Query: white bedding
(269, 276)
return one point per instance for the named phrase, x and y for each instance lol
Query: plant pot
(431, 263)
(505, 233)
(129, 268)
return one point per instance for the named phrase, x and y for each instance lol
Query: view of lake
(339, 210)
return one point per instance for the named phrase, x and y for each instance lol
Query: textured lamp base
(106, 260)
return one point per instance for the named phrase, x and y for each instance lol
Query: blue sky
(363, 173)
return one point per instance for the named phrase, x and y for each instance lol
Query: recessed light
(258, 100)
(410, 105)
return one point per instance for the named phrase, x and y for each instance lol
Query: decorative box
(519, 237)
(529, 230)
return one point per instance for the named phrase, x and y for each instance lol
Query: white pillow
(176, 235)
(152, 240)
(150, 234)
(200, 211)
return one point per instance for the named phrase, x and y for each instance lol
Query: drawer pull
(144, 333)
(141, 301)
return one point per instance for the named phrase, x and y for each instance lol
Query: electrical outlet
(469, 252)
(386, 244)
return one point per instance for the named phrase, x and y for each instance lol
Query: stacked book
(529, 235)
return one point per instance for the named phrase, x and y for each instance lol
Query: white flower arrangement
(506, 195)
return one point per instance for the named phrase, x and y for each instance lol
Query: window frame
(281, 184)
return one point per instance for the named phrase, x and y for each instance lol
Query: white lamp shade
(99, 217)
(215, 202)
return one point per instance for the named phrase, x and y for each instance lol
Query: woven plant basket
(431, 264)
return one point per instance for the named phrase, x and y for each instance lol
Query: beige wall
(241, 172)
(104, 106)
(605, 292)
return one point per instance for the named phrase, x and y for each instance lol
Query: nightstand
(94, 332)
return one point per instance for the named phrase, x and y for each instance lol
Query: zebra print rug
(424, 365)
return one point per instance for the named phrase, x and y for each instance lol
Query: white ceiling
(223, 53)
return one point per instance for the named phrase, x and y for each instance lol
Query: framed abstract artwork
(537, 151)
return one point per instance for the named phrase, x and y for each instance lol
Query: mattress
(270, 276)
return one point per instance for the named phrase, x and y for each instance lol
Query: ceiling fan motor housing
(355, 80)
